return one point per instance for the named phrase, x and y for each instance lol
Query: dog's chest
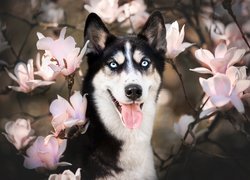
(136, 160)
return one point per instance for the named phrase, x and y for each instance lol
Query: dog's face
(126, 71)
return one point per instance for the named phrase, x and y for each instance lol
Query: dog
(122, 82)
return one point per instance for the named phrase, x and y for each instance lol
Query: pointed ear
(96, 32)
(154, 32)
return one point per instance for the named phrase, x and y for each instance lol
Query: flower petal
(207, 112)
(78, 174)
(64, 164)
(30, 69)
(185, 45)
(172, 36)
(44, 43)
(232, 31)
(56, 68)
(11, 75)
(71, 122)
(219, 100)
(242, 85)
(218, 65)
(62, 147)
(181, 36)
(39, 35)
(62, 33)
(78, 102)
(53, 177)
(236, 101)
(38, 62)
(222, 84)
(84, 49)
(237, 55)
(201, 70)
(58, 123)
(207, 86)
(21, 72)
(220, 50)
(20, 89)
(32, 162)
(58, 106)
(204, 56)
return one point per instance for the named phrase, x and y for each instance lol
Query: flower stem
(70, 80)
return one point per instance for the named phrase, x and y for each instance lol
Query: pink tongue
(131, 115)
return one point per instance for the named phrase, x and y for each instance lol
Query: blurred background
(220, 151)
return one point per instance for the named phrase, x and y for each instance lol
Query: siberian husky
(122, 82)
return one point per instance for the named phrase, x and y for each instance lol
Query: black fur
(97, 152)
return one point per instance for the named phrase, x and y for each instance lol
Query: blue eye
(112, 65)
(145, 62)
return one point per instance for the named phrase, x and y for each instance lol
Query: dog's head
(125, 71)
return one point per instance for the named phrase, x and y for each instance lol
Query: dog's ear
(154, 32)
(96, 32)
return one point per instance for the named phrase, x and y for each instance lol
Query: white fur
(128, 55)
(136, 157)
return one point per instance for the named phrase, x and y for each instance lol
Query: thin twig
(205, 102)
(70, 80)
(227, 5)
(158, 156)
(245, 117)
(10, 45)
(24, 43)
(182, 84)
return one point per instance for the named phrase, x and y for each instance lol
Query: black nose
(133, 91)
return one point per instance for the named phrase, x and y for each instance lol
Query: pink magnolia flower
(229, 34)
(175, 44)
(65, 114)
(222, 59)
(106, 9)
(217, 31)
(19, 133)
(25, 77)
(63, 51)
(236, 74)
(45, 154)
(232, 33)
(226, 88)
(51, 12)
(181, 126)
(44, 69)
(67, 174)
(136, 11)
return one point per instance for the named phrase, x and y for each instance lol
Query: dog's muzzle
(133, 91)
(131, 113)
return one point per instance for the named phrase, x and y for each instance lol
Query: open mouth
(131, 114)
